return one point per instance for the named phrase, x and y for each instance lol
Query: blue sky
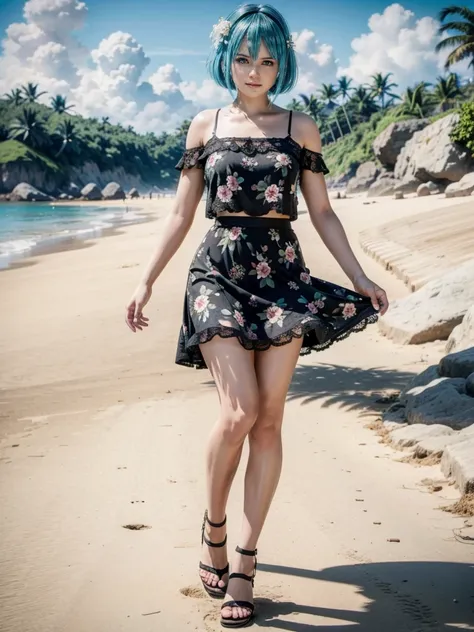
(142, 62)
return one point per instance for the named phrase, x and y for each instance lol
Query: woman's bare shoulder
(306, 131)
(199, 128)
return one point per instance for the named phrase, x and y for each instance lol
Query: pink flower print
(224, 193)
(213, 158)
(305, 277)
(272, 193)
(274, 314)
(348, 311)
(290, 254)
(251, 334)
(249, 163)
(263, 270)
(235, 233)
(313, 308)
(237, 272)
(200, 303)
(239, 318)
(283, 160)
(232, 183)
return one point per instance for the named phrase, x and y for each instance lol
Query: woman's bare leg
(232, 368)
(274, 369)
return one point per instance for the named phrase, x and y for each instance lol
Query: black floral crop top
(254, 175)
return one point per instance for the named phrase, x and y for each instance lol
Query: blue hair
(257, 22)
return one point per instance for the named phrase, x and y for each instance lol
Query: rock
(422, 379)
(436, 445)
(462, 336)
(463, 188)
(24, 192)
(91, 192)
(443, 401)
(408, 185)
(398, 195)
(432, 312)
(390, 142)
(458, 462)
(430, 154)
(423, 190)
(364, 177)
(409, 436)
(73, 190)
(133, 193)
(459, 364)
(113, 191)
(433, 186)
(64, 196)
(384, 184)
(470, 385)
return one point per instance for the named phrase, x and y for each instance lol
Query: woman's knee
(267, 427)
(237, 422)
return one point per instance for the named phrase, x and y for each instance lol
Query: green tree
(344, 89)
(329, 93)
(295, 105)
(463, 41)
(59, 104)
(446, 90)
(417, 101)
(315, 108)
(381, 88)
(31, 94)
(15, 97)
(67, 133)
(364, 102)
(29, 128)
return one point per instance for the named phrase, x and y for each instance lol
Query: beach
(100, 430)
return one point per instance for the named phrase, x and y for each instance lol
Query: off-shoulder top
(249, 174)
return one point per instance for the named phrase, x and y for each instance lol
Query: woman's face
(254, 78)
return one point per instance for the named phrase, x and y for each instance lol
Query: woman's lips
(254, 85)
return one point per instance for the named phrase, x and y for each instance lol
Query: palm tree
(29, 128)
(15, 97)
(130, 129)
(295, 105)
(464, 41)
(31, 92)
(344, 89)
(314, 107)
(446, 91)
(329, 93)
(364, 102)
(380, 87)
(58, 103)
(417, 101)
(66, 131)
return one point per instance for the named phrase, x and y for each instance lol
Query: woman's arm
(327, 223)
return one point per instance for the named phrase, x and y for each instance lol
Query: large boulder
(432, 312)
(462, 336)
(365, 175)
(91, 192)
(408, 185)
(113, 191)
(442, 401)
(73, 190)
(431, 155)
(463, 188)
(459, 364)
(390, 142)
(133, 193)
(24, 192)
(385, 184)
(458, 462)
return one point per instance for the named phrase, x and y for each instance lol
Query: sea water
(26, 229)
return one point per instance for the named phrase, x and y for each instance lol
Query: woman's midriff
(271, 214)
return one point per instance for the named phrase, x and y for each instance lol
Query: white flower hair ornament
(220, 31)
(290, 43)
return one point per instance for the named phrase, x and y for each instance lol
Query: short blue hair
(257, 22)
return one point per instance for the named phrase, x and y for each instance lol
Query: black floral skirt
(248, 280)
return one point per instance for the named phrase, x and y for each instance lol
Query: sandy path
(104, 421)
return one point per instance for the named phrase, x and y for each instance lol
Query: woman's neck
(253, 107)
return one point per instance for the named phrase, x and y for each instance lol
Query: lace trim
(313, 160)
(298, 331)
(191, 158)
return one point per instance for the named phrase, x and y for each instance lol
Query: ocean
(27, 229)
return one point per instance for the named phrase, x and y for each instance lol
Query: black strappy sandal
(216, 592)
(230, 622)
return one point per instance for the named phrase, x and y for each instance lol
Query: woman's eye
(239, 59)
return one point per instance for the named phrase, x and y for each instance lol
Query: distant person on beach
(251, 305)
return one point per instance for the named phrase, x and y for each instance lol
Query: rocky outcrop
(432, 312)
(390, 142)
(365, 175)
(91, 192)
(462, 336)
(463, 188)
(431, 155)
(113, 191)
(73, 190)
(24, 192)
(133, 193)
(14, 173)
(90, 172)
(384, 185)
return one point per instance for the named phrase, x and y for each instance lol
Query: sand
(101, 430)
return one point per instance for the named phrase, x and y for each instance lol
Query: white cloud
(400, 44)
(317, 63)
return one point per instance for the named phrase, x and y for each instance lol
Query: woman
(251, 306)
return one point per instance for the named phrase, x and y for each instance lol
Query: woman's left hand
(365, 286)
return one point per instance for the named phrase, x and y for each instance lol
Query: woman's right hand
(134, 317)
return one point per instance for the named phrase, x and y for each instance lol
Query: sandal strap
(245, 551)
(241, 576)
(216, 525)
(214, 544)
(220, 572)
(238, 604)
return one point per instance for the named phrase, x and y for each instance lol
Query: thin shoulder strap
(215, 122)
(289, 123)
